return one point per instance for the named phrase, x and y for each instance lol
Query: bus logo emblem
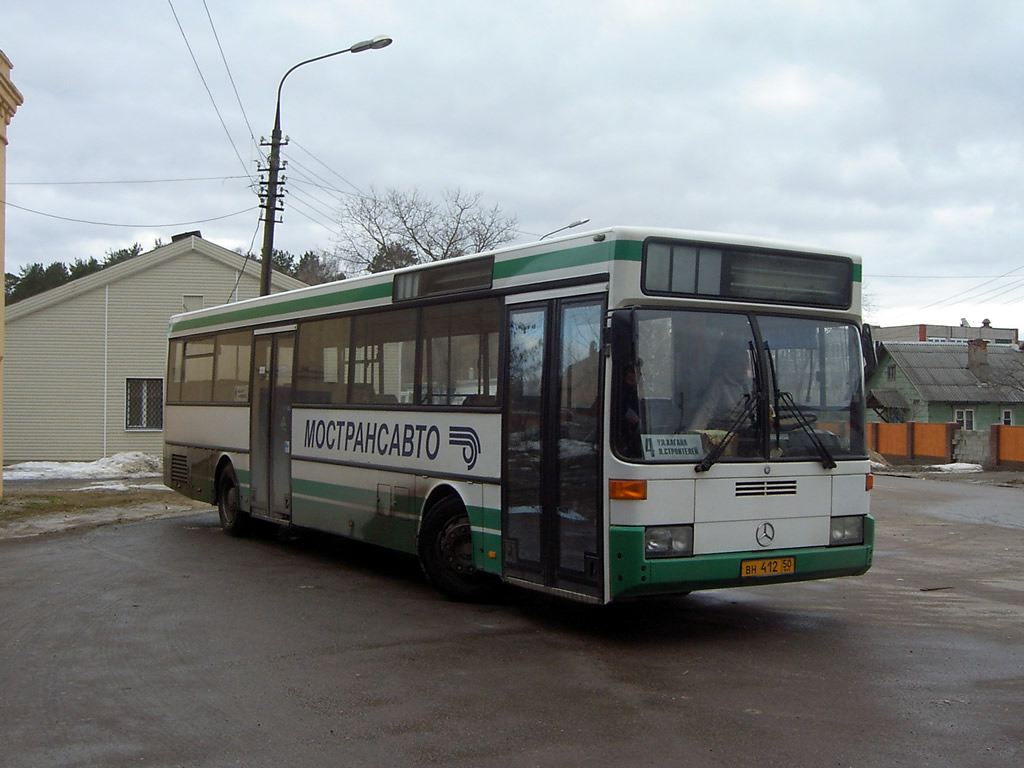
(765, 534)
(470, 442)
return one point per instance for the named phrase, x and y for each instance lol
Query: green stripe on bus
(858, 270)
(344, 494)
(327, 501)
(486, 543)
(597, 253)
(322, 301)
(617, 250)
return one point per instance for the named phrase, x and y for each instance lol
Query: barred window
(144, 404)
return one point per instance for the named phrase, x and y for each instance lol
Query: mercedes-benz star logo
(765, 534)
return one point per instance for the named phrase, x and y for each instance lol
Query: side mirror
(868, 350)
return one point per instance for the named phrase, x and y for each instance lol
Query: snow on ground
(956, 467)
(132, 464)
(120, 485)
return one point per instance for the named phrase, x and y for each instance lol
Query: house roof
(112, 274)
(940, 372)
(887, 398)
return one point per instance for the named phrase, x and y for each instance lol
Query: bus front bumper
(634, 576)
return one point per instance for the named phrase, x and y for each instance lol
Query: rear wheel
(446, 553)
(233, 520)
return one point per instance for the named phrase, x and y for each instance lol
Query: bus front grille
(766, 488)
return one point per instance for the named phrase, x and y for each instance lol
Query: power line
(928, 277)
(357, 189)
(311, 174)
(963, 295)
(248, 258)
(232, 79)
(326, 215)
(213, 101)
(122, 181)
(127, 226)
(318, 223)
(999, 290)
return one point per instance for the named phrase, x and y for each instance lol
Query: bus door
(552, 522)
(271, 427)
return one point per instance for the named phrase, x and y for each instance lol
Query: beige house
(85, 362)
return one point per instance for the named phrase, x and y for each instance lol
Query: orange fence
(1008, 445)
(912, 441)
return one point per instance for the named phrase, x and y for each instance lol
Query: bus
(622, 413)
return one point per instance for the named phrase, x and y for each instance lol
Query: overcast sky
(889, 129)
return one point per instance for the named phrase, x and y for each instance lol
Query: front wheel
(446, 553)
(234, 521)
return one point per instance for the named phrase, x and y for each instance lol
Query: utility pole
(274, 200)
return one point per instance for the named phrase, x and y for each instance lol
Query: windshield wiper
(827, 460)
(749, 403)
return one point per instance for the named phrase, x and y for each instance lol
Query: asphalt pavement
(164, 642)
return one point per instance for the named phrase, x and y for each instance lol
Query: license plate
(772, 566)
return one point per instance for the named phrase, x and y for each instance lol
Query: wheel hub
(457, 547)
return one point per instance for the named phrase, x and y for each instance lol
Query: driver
(730, 381)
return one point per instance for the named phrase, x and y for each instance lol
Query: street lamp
(567, 226)
(273, 167)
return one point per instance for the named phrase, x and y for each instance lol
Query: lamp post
(567, 226)
(273, 166)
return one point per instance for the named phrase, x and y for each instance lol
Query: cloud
(887, 129)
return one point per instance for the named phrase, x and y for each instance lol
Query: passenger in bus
(724, 395)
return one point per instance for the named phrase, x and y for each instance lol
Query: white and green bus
(611, 415)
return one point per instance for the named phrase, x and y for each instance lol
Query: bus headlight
(846, 531)
(668, 541)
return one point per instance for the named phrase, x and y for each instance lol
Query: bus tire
(445, 548)
(233, 520)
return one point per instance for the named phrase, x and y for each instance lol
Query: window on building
(1007, 417)
(191, 302)
(964, 417)
(890, 373)
(144, 404)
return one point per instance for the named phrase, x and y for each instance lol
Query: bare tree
(396, 228)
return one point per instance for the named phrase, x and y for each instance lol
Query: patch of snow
(130, 464)
(115, 485)
(956, 467)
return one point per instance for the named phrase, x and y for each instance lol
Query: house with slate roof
(85, 362)
(976, 384)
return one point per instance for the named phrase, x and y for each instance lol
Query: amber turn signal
(627, 490)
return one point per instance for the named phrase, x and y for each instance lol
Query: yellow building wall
(10, 100)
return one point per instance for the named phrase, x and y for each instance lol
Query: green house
(975, 384)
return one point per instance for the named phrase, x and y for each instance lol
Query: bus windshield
(737, 386)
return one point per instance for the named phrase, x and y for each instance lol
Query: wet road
(959, 501)
(166, 643)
